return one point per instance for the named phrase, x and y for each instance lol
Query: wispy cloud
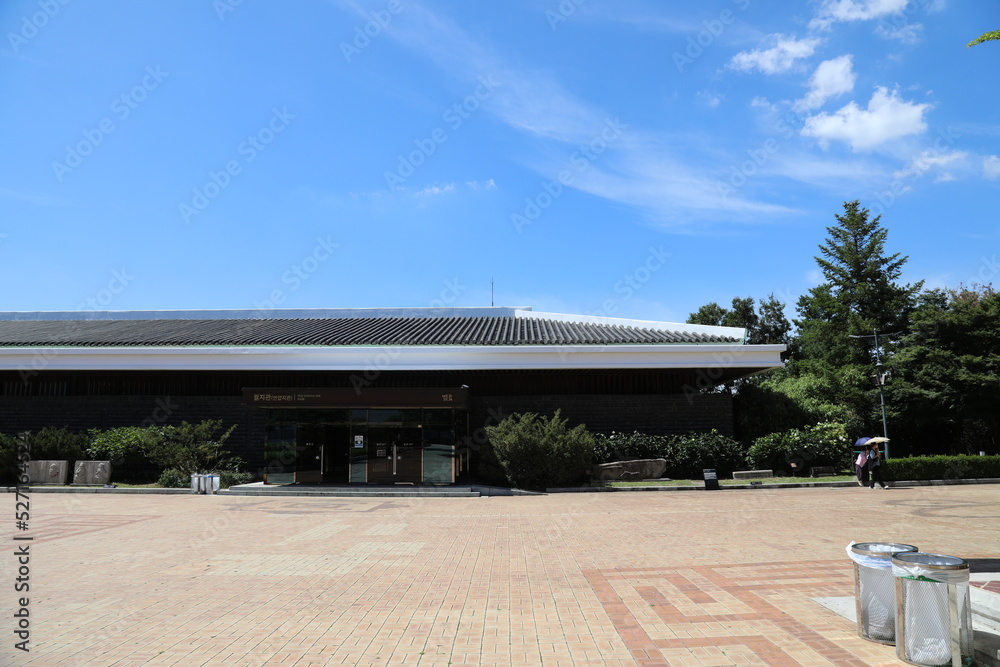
(933, 160)
(534, 103)
(991, 167)
(834, 11)
(907, 34)
(434, 190)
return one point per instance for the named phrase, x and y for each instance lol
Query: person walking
(861, 463)
(875, 467)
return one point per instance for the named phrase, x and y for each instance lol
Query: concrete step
(395, 491)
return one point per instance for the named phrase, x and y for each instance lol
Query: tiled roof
(336, 332)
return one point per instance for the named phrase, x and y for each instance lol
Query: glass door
(336, 454)
(308, 454)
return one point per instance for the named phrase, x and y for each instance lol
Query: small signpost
(711, 479)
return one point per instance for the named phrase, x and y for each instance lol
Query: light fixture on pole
(879, 377)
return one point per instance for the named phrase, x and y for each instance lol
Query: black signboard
(273, 397)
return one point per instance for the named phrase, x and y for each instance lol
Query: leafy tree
(945, 387)
(772, 327)
(993, 35)
(711, 314)
(766, 324)
(862, 294)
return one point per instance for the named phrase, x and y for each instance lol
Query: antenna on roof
(491, 292)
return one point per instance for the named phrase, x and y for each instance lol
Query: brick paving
(706, 578)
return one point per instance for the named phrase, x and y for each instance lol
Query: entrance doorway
(394, 454)
(364, 446)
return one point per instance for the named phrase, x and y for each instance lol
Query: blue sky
(626, 158)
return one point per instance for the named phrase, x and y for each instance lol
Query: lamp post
(880, 383)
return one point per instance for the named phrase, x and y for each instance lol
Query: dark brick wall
(657, 415)
(79, 413)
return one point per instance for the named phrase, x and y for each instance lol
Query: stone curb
(487, 491)
(803, 485)
(91, 489)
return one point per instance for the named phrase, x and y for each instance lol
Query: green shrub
(174, 479)
(9, 468)
(694, 452)
(58, 444)
(538, 452)
(228, 478)
(686, 455)
(941, 467)
(825, 444)
(190, 448)
(488, 468)
(631, 446)
(126, 447)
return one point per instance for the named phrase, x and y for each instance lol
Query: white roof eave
(423, 357)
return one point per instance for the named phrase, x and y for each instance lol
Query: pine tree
(861, 294)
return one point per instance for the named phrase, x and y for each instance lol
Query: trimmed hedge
(825, 444)
(686, 455)
(941, 467)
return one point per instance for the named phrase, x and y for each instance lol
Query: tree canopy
(992, 36)
(941, 349)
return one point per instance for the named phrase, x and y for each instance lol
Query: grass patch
(732, 482)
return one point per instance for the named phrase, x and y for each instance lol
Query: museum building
(363, 396)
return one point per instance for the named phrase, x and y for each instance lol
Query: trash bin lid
(884, 550)
(931, 561)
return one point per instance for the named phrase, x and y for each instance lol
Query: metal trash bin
(933, 612)
(874, 588)
(211, 483)
(197, 484)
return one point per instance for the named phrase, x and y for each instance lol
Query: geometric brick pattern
(59, 527)
(615, 579)
(743, 614)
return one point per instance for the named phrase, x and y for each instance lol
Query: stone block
(629, 470)
(753, 474)
(822, 471)
(92, 472)
(48, 472)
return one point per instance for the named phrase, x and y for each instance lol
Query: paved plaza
(696, 578)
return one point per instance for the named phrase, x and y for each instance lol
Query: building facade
(366, 395)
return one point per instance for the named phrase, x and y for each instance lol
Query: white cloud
(833, 11)
(487, 185)
(436, 190)
(907, 34)
(778, 58)
(831, 78)
(710, 99)
(991, 167)
(887, 117)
